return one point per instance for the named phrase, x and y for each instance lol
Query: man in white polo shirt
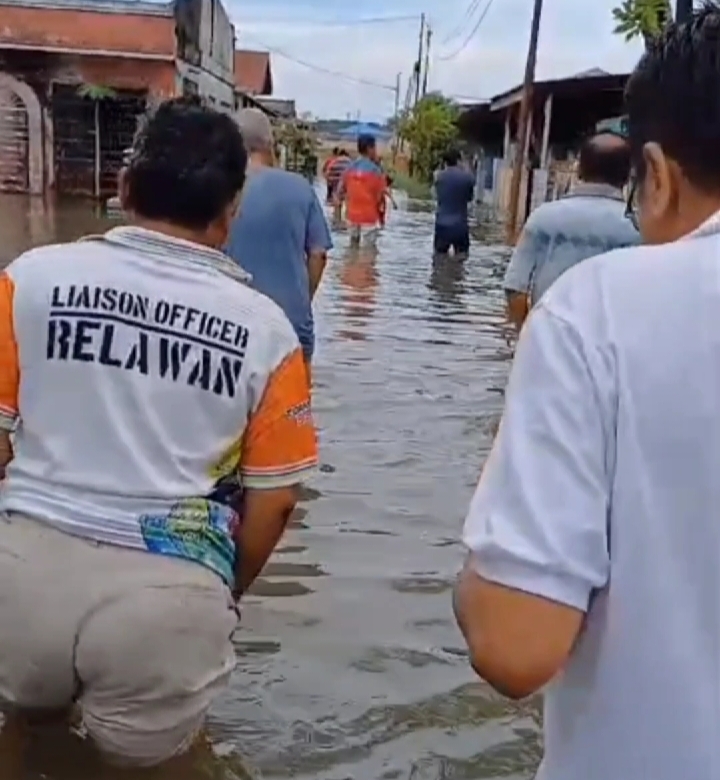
(594, 534)
(162, 424)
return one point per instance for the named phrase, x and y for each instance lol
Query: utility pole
(396, 111)
(683, 10)
(426, 74)
(523, 123)
(396, 118)
(418, 64)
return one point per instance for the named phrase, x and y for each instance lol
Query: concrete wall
(112, 29)
(213, 77)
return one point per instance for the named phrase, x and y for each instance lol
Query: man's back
(639, 695)
(157, 363)
(564, 232)
(280, 221)
(364, 186)
(454, 187)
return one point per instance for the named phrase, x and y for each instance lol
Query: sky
(575, 35)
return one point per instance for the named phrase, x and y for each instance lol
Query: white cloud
(575, 35)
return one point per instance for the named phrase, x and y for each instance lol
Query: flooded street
(350, 663)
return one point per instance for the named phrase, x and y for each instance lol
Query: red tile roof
(252, 72)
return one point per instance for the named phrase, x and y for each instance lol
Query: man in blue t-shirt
(454, 188)
(280, 235)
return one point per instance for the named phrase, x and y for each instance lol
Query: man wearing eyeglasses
(590, 220)
(593, 571)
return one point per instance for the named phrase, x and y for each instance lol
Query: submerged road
(350, 664)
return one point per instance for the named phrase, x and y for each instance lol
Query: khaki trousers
(140, 643)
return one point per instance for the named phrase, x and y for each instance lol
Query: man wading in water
(588, 221)
(454, 188)
(281, 235)
(147, 385)
(594, 534)
(363, 188)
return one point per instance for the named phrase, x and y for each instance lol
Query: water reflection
(349, 662)
(447, 278)
(359, 279)
(26, 221)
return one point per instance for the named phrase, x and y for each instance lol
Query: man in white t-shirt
(162, 425)
(594, 534)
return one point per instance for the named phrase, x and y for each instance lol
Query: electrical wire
(467, 40)
(331, 23)
(469, 12)
(468, 98)
(319, 68)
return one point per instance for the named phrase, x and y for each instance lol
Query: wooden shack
(563, 113)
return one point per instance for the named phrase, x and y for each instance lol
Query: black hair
(335, 151)
(344, 153)
(366, 143)
(673, 98)
(451, 157)
(187, 164)
(605, 163)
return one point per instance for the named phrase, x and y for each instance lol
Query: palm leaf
(96, 92)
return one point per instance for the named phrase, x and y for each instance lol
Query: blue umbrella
(365, 128)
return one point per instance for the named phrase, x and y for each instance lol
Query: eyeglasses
(631, 204)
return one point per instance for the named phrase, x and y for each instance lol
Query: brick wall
(66, 28)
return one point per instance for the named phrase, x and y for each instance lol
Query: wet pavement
(350, 664)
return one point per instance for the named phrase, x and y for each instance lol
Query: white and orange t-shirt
(147, 384)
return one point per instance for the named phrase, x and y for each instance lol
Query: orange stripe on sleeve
(280, 444)
(9, 365)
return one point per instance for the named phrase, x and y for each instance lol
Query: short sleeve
(280, 445)
(538, 520)
(524, 260)
(9, 366)
(317, 233)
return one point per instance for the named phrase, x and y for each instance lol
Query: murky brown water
(350, 664)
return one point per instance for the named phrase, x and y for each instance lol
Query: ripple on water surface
(350, 664)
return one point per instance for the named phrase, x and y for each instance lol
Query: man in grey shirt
(588, 221)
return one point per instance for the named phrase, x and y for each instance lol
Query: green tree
(429, 128)
(641, 18)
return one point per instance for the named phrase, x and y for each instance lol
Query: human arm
(382, 194)
(519, 274)
(536, 530)
(9, 372)
(341, 189)
(318, 242)
(279, 451)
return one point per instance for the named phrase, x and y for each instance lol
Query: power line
(319, 68)
(469, 12)
(329, 22)
(469, 98)
(467, 40)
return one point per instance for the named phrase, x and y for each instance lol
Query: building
(76, 74)
(278, 107)
(253, 77)
(563, 112)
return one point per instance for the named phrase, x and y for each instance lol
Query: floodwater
(349, 661)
